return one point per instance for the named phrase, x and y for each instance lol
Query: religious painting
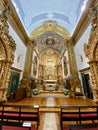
(14, 81)
(50, 41)
(65, 66)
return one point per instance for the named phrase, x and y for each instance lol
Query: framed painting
(14, 80)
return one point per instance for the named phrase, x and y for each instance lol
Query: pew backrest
(78, 113)
(20, 113)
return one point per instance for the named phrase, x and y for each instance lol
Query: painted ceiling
(33, 13)
(50, 40)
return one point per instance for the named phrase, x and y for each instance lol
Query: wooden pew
(78, 114)
(9, 125)
(17, 95)
(84, 126)
(20, 113)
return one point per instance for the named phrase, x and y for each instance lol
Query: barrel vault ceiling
(33, 13)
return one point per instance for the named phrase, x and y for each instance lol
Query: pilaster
(74, 80)
(72, 58)
(26, 80)
(28, 60)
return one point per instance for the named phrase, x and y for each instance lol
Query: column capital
(31, 43)
(69, 40)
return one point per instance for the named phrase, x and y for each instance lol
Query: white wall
(82, 60)
(79, 50)
(20, 51)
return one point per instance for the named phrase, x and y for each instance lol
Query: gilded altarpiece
(50, 46)
(50, 68)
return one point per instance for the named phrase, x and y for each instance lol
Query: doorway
(87, 87)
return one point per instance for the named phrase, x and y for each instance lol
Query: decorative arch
(91, 51)
(49, 26)
(50, 35)
(7, 49)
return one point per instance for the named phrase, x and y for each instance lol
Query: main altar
(50, 84)
(50, 69)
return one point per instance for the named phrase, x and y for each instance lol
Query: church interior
(49, 61)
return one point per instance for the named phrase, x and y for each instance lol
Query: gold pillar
(94, 77)
(28, 60)
(74, 77)
(72, 58)
(27, 81)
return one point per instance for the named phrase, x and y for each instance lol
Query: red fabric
(11, 114)
(85, 129)
(28, 115)
(77, 115)
(16, 128)
(89, 115)
(0, 113)
(81, 129)
(70, 115)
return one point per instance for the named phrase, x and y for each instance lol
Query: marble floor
(50, 122)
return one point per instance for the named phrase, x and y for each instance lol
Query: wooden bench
(84, 126)
(9, 125)
(17, 95)
(19, 113)
(78, 114)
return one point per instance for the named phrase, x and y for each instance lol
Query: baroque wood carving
(91, 50)
(7, 49)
